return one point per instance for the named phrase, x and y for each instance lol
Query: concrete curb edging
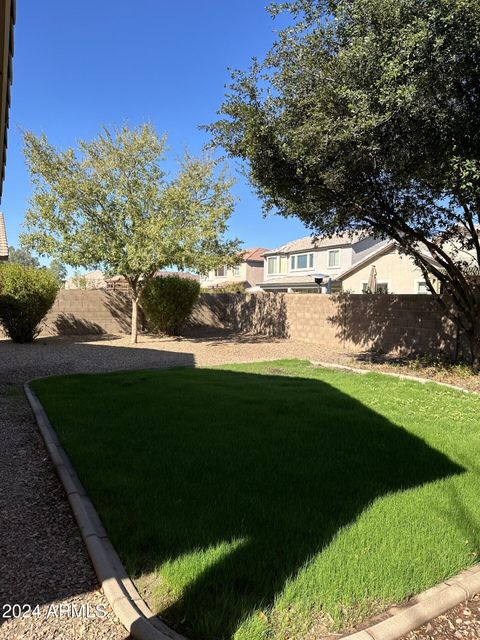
(121, 593)
(392, 374)
(434, 601)
(136, 616)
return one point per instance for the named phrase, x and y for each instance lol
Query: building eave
(7, 21)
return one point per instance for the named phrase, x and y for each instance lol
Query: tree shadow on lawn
(279, 464)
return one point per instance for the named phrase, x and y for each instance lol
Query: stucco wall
(254, 273)
(398, 270)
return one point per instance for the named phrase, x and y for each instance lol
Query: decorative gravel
(42, 557)
(461, 622)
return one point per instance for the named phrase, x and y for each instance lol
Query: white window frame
(225, 270)
(272, 260)
(419, 281)
(337, 253)
(236, 271)
(276, 260)
(310, 259)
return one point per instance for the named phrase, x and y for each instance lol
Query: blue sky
(81, 64)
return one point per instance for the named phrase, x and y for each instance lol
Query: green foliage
(231, 287)
(58, 269)
(109, 205)
(168, 302)
(22, 256)
(364, 115)
(26, 294)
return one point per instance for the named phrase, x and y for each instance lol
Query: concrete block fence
(410, 324)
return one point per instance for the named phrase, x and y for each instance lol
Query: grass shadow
(238, 478)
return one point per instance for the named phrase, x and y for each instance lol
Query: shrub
(231, 287)
(26, 294)
(168, 301)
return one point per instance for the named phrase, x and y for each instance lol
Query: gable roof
(3, 239)
(311, 243)
(255, 254)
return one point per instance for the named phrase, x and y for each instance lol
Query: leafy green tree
(109, 205)
(58, 269)
(365, 116)
(22, 256)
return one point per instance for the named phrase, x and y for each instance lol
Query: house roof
(252, 255)
(7, 20)
(181, 274)
(312, 242)
(289, 281)
(3, 238)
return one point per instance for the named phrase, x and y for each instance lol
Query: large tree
(365, 114)
(22, 256)
(110, 205)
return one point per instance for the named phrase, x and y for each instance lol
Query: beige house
(395, 272)
(313, 265)
(247, 274)
(91, 280)
(3, 239)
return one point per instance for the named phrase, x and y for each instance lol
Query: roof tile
(3, 238)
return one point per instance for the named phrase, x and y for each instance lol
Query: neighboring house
(7, 20)
(3, 240)
(119, 283)
(247, 274)
(395, 272)
(92, 280)
(313, 266)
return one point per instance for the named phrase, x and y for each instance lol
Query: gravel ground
(461, 622)
(42, 558)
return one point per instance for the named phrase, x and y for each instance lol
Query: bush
(231, 287)
(168, 301)
(26, 294)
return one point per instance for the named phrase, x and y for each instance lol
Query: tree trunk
(134, 333)
(474, 345)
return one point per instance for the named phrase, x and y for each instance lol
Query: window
(236, 271)
(301, 261)
(221, 272)
(204, 276)
(422, 287)
(276, 264)
(382, 287)
(334, 258)
(272, 265)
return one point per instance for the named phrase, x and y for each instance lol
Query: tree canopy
(109, 204)
(365, 115)
(22, 256)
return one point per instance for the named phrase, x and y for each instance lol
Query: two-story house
(246, 274)
(313, 265)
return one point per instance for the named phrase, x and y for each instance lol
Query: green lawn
(275, 499)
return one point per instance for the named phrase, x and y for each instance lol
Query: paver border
(143, 624)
